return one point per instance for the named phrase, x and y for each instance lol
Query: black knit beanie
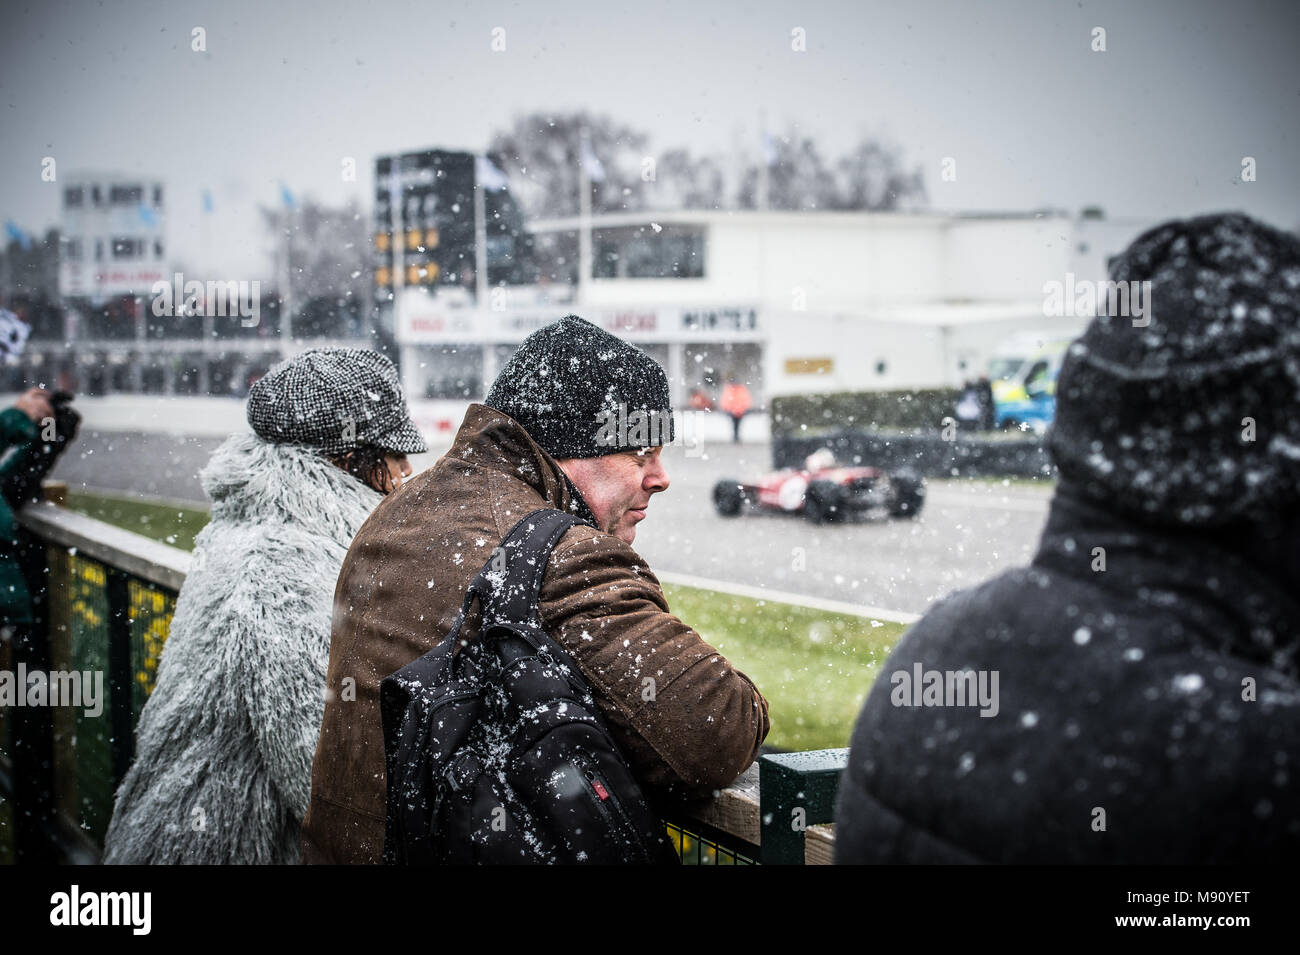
(1194, 419)
(581, 392)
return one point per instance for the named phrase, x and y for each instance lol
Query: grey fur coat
(224, 746)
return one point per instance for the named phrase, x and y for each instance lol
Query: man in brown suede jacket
(575, 421)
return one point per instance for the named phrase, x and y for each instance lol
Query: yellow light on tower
(382, 276)
(412, 240)
(382, 241)
(431, 238)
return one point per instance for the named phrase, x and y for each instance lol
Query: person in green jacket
(20, 431)
(33, 433)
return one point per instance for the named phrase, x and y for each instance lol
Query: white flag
(13, 334)
(489, 176)
(595, 171)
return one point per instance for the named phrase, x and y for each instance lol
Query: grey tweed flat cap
(335, 400)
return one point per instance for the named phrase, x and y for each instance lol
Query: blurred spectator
(1145, 700)
(32, 435)
(974, 409)
(20, 446)
(736, 402)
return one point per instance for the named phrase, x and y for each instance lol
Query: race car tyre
(909, 494)
(822, 502)
(728, 498)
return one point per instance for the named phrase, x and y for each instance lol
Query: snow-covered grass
(168, 523)
(814, 667)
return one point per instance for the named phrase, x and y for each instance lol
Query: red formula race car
(823, 491)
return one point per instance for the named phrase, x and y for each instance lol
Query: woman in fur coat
(224, 745)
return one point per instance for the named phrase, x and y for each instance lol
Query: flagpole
(286, 295)
(205, 232)
(480, 240)
(6, 270)
(584, 220)
(211, 347)
(397, 221)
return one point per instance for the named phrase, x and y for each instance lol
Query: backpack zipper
(609, 806)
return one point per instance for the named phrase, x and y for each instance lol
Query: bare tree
(541, 153)
(329, 265)
(682, 181)
(870, 177)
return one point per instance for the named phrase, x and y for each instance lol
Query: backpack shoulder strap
(511, 580)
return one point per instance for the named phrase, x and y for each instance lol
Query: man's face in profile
(618, 487)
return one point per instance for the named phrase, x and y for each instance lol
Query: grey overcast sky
(1157, 125)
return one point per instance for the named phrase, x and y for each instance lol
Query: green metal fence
(717, 848)
(777, 813)
(104, 602)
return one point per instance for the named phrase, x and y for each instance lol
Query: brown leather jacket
(400, 591)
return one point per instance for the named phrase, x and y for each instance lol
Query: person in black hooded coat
(1148, 702)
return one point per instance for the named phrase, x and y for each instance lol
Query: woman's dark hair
(368, 464)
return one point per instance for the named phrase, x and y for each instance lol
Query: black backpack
(495, 749)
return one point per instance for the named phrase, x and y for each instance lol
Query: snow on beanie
(1194, 419)
(581, 392)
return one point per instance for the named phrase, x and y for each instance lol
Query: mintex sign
(728, 321)
(423, 321)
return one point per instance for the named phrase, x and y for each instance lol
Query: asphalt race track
(966, 533)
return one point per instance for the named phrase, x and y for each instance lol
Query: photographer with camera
(32, 435)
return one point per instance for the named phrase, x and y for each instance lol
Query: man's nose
(656, 478)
